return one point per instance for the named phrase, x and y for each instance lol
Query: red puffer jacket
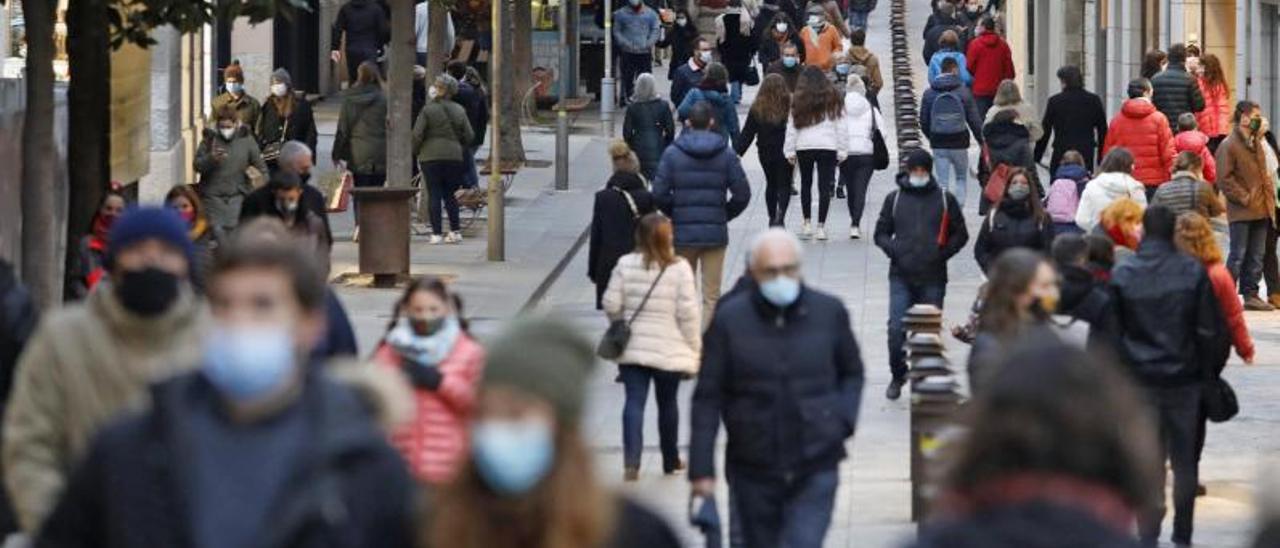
(1197, 143)
(1144, 131)
(1215, 119)
(1224, 286)
(990, 62)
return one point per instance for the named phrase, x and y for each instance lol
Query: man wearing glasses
(781, 368)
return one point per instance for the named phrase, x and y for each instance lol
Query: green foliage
(131, 21)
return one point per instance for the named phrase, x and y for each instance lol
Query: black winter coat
(911, 232)
(301, 125)
(349, 488)
(1174, 92)
(1009, 143)
(786, 382)
(1024, 525)
(681, 40)
(1079, 122)
(934, 27)
(771, 49)
(1013, 225)
(366, 24)
(477, 106)
(683, 80)
(1084, 298)
(1169, 321)
(769, 139)
(737, 49)
(613, 224)
(649, 128)
(262, 202)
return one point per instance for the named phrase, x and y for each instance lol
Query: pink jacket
(1198, 143)
(1215, 119)
(434, 443)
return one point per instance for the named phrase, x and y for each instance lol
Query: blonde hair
(624, 159)
(1194, 236)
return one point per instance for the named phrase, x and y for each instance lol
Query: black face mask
(147, 292)
(426, 328)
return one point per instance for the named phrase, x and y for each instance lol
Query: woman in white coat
(860, 121)
(1114, 180)
(654, 290)
(816, 141)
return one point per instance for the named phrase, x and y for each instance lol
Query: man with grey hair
(782, 369)
(295, 158)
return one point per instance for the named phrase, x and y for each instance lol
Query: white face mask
(279, 90)
(433, 92)
(705, 56)
(781, 27)
(227, 132)
(917, 181)
(681, 21)
(815, 21)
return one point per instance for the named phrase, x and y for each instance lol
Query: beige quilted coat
(667, 334)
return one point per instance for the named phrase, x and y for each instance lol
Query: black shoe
(794, 191)
(1201, 490)
(840, 192)
(894, 391)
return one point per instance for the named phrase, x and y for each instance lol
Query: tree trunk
(89, 119)
(512, 145)
(436, 54)
(522, 55)
(40, 232)
(400, 94)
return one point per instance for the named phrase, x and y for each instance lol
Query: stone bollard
(384, 232)
(935, 397)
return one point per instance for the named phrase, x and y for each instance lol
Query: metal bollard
(935, 397)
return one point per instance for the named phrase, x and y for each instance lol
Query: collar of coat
(770, 311)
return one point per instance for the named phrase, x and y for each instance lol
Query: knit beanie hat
(919, 158)
(148, 223)
(281, 75)
(544, 358)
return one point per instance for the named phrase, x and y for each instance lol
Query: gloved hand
(422, 376)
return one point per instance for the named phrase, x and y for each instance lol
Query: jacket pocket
(826, 425)
(750, 438)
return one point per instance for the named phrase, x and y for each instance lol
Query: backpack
(948, 115)
(1063, 200)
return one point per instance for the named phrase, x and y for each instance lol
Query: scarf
(198, 229)
(1097, 500)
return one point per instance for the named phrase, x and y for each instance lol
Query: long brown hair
(773, 102)
(1194, 236)
(1213, 75)
(1037, 208)
(816, 99)
(1011, 275)
(655, 240)
(568, 509)
(1151, 63)
(188, 193)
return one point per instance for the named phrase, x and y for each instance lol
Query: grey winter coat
(361, 140)
(223, 183)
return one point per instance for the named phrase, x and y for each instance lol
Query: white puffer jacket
(667, 334)
(829, 134)
(1104, 189)
(859, 116)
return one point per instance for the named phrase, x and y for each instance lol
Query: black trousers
(354, 58)
(855, 175)
(1270, 269)
(825, 162)
(777, 189)
(632, 66)
(1177, 411)
(443, 179)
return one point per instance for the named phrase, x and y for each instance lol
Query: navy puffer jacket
(691, 184)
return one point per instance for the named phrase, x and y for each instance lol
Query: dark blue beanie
(148, 223)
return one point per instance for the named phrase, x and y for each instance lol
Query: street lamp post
(562, 115)
(606, 84)
(497, 198)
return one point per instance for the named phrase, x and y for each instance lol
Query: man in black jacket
(473, 101)
(295, 158)
(254, 449)
(920, 228)
(1175, 90)
(367, 28)
(1083, 298)
(1170, 328)
(1077, 118)
(781, 367)
(689, 75)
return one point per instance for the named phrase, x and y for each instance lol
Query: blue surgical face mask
(235, 87)
(781, 291)
(917, 181)
(842, 69)
(790, 62)
(247, 363)
(512, 456)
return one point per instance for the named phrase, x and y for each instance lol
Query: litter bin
(383, 215)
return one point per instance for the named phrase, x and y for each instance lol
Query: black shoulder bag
(615, 339)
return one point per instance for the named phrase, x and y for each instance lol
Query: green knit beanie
(545, 358)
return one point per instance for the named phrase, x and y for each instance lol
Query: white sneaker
(806, 230)
(435, 239)
(855, 233)
(453, 238)
(822, 233)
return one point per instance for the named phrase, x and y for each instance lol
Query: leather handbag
(1220, 401)
(879, 150)
(614, 341)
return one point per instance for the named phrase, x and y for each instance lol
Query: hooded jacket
(935, 65)
(1101, 191)
(860, 55)
(726, 111)
(361, 139)
(84, 366)
(990, 62)
(225, 178)
(1145, 132)
(1244, 180)
(1008, 142)
(1197, 143)
(649, 128)
(346, 487)
(693, 177)
(860, 122)
(942, 84)
(667, 333)
(1026, 117)
(1170, 324)
(911, 232)
(1176, 92)
(613, 224)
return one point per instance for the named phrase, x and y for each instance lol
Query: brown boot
(1253, 303)
(1274, 299)
(631, 474)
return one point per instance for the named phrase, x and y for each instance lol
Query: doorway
(296, 46)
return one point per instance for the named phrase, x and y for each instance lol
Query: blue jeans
(858, 19)
(777, 513)
(949, 162)
(635, 379)
(904, 295)
(1248, 245)
(735, 92)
